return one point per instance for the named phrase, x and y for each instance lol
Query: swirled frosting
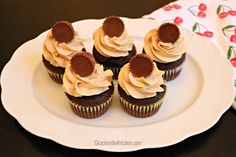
(163, 52)
(60, 53)
(112, 47)
(140, 87)
(96, 83)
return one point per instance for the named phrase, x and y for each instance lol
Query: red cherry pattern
(231, 55)
(233, 61)
(202, 7)
(223, 15)
(170, 7)
(223, 11)
(201, 30)
(232, 12)
(167, 8)
(229, 31)
(178, 20)
(233, 38)
(199, 33)
(198, 10)
(176, 6)
(201, 14)
(208, 34)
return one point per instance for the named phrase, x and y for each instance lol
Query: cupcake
(61, 43)
(87, 86)
(165, 45)
(113, 47)
(141, 86)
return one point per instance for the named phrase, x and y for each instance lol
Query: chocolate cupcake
(113, 47)
(87, 86)
(165, 45)
(141, 86)
(61, 43)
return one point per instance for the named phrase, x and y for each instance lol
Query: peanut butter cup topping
(83, 64)
(141, 65)
(63, 31)
(113, 26)
(168, 33)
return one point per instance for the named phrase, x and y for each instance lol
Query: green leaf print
(229, 53)
(194, 27)
(218, 10)
(227, 28)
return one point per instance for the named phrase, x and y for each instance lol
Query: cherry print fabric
(214, 20)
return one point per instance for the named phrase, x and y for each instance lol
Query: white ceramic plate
(194, 102)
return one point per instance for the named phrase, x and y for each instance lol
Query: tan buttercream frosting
(60, 53)
(94, 84)
(140, 87)
(112, 47)
(163, 52)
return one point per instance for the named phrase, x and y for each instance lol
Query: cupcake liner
(55, 77)
(115, 71)
(171, 74)
(90, 111)
(141, 111)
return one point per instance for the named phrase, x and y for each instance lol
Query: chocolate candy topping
(83, 64)
(168, 33)
(141, 65)
(113, 26)
(63, 31)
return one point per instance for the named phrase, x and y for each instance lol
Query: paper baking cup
(55, 77)
(90, 111)
(115, 71)
(141, 111)
(172, 73)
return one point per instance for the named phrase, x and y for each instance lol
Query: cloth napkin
(214, 20)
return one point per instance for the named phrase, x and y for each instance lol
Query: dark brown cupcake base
(172, 69)
(141, 108)
(90, 112)
(172, 73)
(113, 63)
(140, 111)
(58, 78)
(91, 106)
(55, 73)
(115, 71)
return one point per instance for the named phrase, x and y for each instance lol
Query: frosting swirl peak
(112, 46)
(161, 51)
(96, 83)
(60, 53)
(141, 87)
